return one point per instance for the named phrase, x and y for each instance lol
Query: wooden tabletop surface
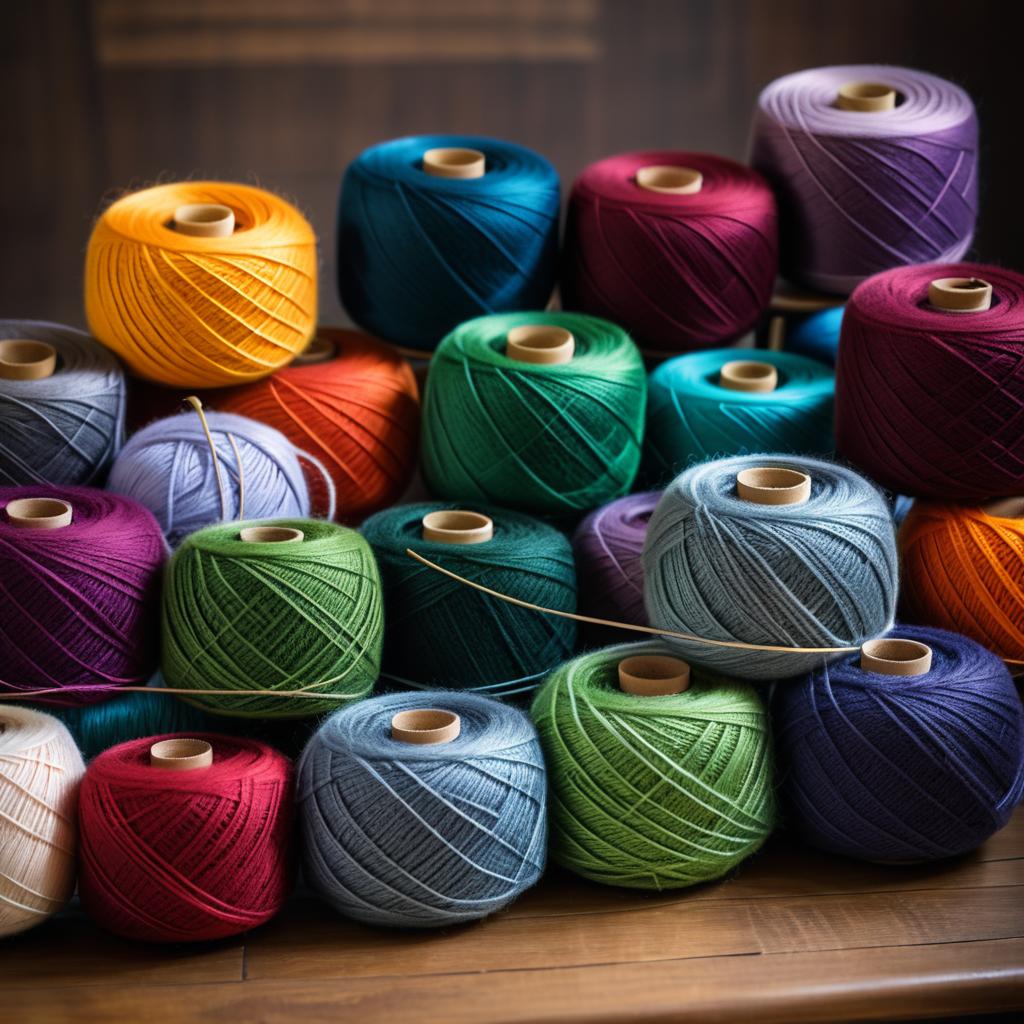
(792, 936)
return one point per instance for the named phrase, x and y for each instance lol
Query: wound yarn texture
(817, 337)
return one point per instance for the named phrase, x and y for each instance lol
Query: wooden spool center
(270, 535)
(204, 220)
(542, 344)
(748, 375)
(181, 754)
(770, 485)
(39, 513)
(960, 294)
(457, 526)
(454, 163)
(676, 181)
(21, 359)
(866, 97)
(1006, 508)
(425, 725)
(653, 675)
(893, 657)
(319, 350)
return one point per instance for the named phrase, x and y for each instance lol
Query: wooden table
(792, 936)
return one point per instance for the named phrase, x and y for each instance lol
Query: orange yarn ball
(358, 412)
(195, 311)
(963, 570)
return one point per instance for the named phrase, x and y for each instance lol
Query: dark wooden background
(103, 95)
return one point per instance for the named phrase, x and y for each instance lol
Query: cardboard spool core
(676, 181)
(960, 294)
(748, 375)
(653, 675)
(181, 754)
(21, 359)
(1006, 508)
(457, 526)
(425, 725)
(319, 350)
(866, 97)
(270, 535)
(768, 485)
(204, 220)
(542, 344)
(39, 513)
(894, 657)
(455, 163)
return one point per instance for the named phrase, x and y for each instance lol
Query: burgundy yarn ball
(679, 272)
(931, 403)
(81, 603)
(186, 856)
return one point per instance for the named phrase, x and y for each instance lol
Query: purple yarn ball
(902, 768)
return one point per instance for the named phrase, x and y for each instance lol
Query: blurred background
(106, 95)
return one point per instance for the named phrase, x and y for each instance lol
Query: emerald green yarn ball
(554, 440)
(653, 792)
(244, 616)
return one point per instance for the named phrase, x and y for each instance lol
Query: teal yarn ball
(423, 835)
(442, 633)
(653, 792)
(554, 440)
(242, 616)
(692, 417)
(818, 574)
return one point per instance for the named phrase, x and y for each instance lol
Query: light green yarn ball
(244, 616)
(653, 792)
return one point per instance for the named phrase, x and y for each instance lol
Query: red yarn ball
(679, 272)
(186, 856)
(928, 402)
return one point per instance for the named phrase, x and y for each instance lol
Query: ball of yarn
(691, 416)
(66, 428)
(41, 772)
(201, 312)
(897, 768)
(818, 574)
(169, 468)
(441, 633)
(80, 602)
(358, 413)
(423, 835)
(265, 615)
(817, 337)
(679, 272)
(418, 254)
(653, 792)
(858, 191)
(549, 439)
(931, 403)
(608, 546)
(186, 856)
(963, 569)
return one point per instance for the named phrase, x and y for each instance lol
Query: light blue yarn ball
(422, 836)
(692, 417)
(168, 467)
(65, 428)
(818, 574)
(818, 336)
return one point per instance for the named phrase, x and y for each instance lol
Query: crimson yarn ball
(186, 856)
(930, 403)
(679, 272)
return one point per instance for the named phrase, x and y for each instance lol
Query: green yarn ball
(244, 616)
(439, 633)
(653, 792)
(555, 440)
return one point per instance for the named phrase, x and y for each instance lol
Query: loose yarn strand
(193, 401)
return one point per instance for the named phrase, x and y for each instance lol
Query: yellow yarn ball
(202, 311)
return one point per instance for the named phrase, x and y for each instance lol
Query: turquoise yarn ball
(440, 633)
(423, 835)
(818, 574)
(555, 440)
(818, 336)
(692, 417)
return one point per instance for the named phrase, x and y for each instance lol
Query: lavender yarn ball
(898, 768)
(861, 192)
